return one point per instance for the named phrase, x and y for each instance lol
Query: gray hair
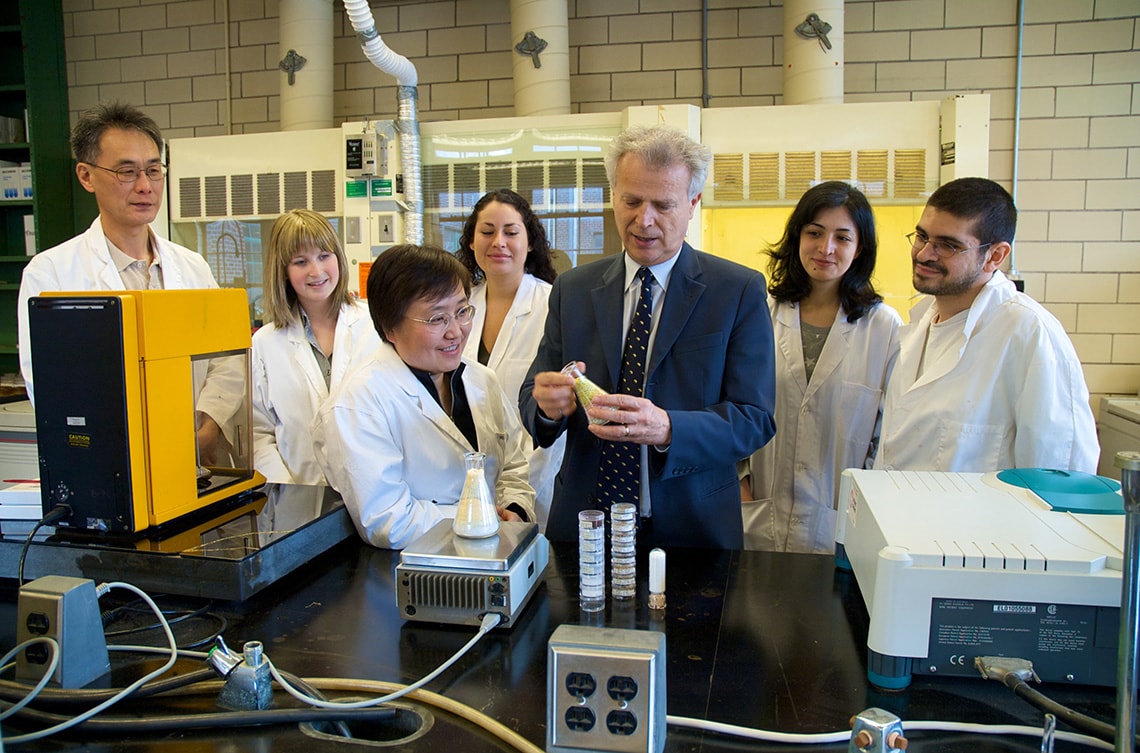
(661, 146)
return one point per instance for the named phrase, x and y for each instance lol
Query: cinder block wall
(1079, 184)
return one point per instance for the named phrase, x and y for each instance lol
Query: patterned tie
(619, 474)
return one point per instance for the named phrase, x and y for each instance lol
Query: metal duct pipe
(541, 50)
(813, 52)
(306, 34)
(407, 119)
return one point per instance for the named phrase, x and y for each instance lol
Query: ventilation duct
(407, 118)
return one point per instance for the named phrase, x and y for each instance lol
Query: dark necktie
(619, 473)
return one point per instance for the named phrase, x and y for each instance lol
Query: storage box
(9, 183)
(26, 181)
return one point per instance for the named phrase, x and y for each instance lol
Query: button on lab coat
(288, 388)
(396, 458)
(510, 359)
(822, 427)
(1012, 396)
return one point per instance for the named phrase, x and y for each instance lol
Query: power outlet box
(66, 609)
(605, 690)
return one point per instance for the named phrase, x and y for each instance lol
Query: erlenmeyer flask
(585, 389)
(477, 517)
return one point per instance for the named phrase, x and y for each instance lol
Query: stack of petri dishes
(591, 560)
(623, 550)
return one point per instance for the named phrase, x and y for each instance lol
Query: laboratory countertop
(763, 640)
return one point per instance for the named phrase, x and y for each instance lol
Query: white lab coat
(289, 388)
(822, 427)
(1012, 396)
(510, 359)
(396, 458)
(84, 263)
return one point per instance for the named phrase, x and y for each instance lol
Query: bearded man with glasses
(986, 378)
(118, 150)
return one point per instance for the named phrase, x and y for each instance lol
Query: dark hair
(92, 123)
(979, 199)
(403, 274)
(539, 259)
(789, 281)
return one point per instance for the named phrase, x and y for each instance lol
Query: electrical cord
(215, 719)
(917, 726)
(1013, 672)
(47, 676)
(82, 696)
(490, 620)
(80, 718)
(1071, 717)
(57, 512)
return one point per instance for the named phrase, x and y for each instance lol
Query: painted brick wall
(1079, 161)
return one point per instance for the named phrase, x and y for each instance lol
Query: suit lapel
(608, 299)
(685, 289)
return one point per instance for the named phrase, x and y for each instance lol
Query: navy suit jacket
(712, 369)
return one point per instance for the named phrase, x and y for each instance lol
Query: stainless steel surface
(1129, 462)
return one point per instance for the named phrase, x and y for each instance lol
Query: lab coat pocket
(855, 423)
(969, 448)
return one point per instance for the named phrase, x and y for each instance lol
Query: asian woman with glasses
(392, 437)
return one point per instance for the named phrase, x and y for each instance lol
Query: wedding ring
(627, 430)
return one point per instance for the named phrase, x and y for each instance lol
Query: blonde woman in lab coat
(504, 247)
(836, 343)
(392, 437)
(316, 331)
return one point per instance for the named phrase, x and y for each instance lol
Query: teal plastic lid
(1069, 491)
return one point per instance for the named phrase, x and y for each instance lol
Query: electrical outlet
(605, 690)
(67, 610)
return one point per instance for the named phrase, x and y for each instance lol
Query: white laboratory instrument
(1118, 428)
(1022, 563)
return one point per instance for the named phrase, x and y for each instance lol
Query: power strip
(605, 690)
(66, 609)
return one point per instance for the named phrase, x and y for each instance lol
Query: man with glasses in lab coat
(986, 378)
(118, 150)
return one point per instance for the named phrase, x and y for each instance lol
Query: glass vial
(623, 550)
(477, 517)
(591, 560)
(584, 388)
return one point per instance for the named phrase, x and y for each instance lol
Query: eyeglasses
(440, 322)
(130, 173)
(919, 239)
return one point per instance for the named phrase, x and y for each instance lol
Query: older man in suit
(681, 338)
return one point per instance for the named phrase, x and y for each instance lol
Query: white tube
(544, 90)
(306, 26)
(813, 74)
